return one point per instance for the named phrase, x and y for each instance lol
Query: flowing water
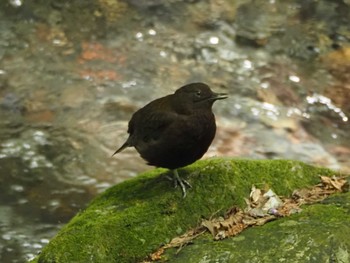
(73, 72)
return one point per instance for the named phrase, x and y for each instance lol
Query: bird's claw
(182, 182)
(178, 181)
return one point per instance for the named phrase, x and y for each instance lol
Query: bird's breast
(181, 143)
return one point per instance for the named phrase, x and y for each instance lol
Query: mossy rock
(320, 233)
(132, 219)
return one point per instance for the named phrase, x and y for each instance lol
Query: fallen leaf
(262, 207)
(335, 182)
(255, 194)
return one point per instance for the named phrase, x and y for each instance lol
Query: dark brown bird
(175, 130)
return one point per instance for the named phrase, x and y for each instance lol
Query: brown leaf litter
(262, 206)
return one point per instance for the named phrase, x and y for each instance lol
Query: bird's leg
(182, 182)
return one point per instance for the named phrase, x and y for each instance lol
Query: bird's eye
(198, 93)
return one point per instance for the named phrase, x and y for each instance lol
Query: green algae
(132, 219)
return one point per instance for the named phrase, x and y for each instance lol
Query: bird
(176, 130)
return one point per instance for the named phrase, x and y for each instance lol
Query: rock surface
(133, 219)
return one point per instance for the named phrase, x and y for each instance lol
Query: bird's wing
(149, 126)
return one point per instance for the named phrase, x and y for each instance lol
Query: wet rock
(112, 10)
(257, 21)
(304, 42)
(11, 102)
(338, 63)
(77, 70)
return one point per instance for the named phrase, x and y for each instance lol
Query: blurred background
(73, 72)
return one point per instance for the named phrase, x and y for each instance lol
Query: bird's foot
(182, 182)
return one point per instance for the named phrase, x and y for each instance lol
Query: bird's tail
(125, 145)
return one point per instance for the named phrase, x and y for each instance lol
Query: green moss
(132, 219)
(319, 234)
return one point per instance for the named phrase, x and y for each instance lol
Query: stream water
(73, 72)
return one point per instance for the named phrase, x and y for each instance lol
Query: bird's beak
(219, 96)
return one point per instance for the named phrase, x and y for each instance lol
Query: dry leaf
(262, 207)
(255, 194)
(210, 226)
(334, 182)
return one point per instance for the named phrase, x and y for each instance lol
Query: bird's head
(197, 96)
